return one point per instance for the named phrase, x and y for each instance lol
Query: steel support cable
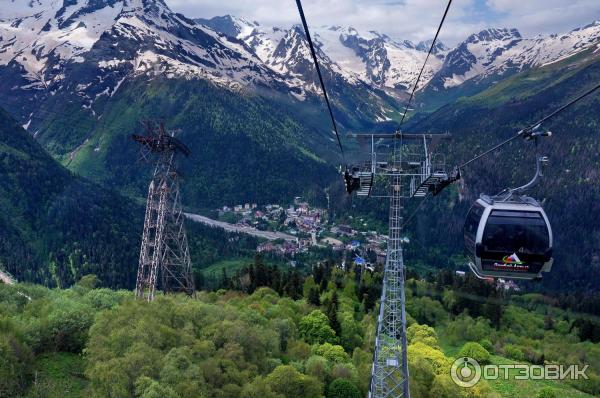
(527, 131)
(412, 94)
(316, 62)
(415, 211)
(522, 133)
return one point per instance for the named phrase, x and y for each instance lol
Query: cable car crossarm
(397, 135)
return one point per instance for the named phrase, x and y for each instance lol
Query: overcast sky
(408, 19)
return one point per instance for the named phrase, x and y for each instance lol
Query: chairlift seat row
(428, 183)
(359, 180)
(366, 183)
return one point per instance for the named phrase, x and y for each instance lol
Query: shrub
(546, 392)
(436, 358)
(422, 333)
(487, 344)
(475, 351)
(345, 371)
(318, 367)
(443, 386)
(514, 352)
(464, 328)
(68, 328)
(333, 353)
(15, 360)
(427, 311)
(315, 329)
(290, 383)
(342, 388)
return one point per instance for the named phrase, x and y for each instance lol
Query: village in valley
(302, 227)
(299, 227)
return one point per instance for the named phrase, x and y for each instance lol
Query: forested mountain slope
(56, 226)
(244, 148)
(569, 190)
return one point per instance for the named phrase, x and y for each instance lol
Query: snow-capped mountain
(88, 48)
(91, 47)
(377, 58)
(503, 51)
(370, 57)
(393, 64)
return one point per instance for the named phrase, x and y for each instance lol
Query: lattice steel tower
(406, 175)
(164, 256)
(390, 365)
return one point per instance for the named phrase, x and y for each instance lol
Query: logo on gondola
(513, 259)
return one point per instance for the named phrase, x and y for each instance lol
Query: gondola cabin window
(516, 232)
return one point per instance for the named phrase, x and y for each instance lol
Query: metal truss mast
(164, 255)
(390, 366)
(403, 164)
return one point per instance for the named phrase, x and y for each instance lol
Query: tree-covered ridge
(55, 226)
(232, 344)
(568, 191)
(245, 148)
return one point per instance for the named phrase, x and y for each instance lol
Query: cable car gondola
(509, 235)
(511, 239)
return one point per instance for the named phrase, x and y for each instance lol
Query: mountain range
(79, 75)
(89, 49)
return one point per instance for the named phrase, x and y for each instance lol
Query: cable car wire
(316, 62)
(412, 94)
(415, 211)
(562, 108)
(514, 137)
(527, 131)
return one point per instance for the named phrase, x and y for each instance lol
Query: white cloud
(408, 19)
(546, 16)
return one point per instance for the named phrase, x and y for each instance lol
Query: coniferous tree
(313, 297)
(225, 282)
(332, 310)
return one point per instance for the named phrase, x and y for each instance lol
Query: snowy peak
(493, 34)
(229, 25)
(425, 45)
(371, 57)
(292, 54)
(54, 30)
(393, 65)
(389, 63)
(92, 47)
(504, 51)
